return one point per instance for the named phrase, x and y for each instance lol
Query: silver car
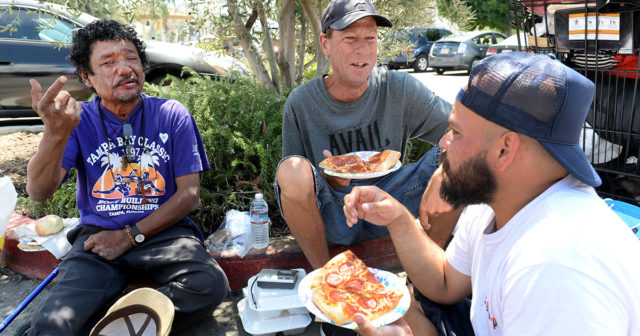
(462, 52)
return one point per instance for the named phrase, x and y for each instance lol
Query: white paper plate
(388, 279)
(365, 156)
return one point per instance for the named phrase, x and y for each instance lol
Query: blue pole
(28, 300)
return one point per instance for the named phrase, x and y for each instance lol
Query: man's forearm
(421, 257)
(185, 200)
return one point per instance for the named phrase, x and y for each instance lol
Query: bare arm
(60, 114)
(111, 244)
(437, 217)
(423, 260)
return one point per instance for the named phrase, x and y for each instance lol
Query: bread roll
(48, 225)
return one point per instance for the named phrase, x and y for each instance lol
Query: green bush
(241, 126)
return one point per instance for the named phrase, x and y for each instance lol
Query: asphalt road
(14, 288)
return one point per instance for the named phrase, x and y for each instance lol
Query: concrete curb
(282, 253)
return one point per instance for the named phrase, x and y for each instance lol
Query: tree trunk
(301, 49)
(262, 75)
(287, 49)
(268, 46)
(316, 28)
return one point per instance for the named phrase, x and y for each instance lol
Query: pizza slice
(383, 161)
(342, 305)
(347, 271)
(348, 163)
(345, 286)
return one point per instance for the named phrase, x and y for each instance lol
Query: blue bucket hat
(339, 14)
(537, 96)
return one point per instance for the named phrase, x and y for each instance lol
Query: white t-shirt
(565, 264)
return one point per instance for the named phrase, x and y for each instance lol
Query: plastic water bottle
(259, 222)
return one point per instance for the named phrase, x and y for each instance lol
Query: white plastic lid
(259, 196)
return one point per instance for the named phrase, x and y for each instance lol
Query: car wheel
(439, 71)
(421, 63)
(473, 64)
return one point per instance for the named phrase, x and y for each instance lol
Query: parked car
(35, 40)
(462, 52)
(508, 45)
(417, 57)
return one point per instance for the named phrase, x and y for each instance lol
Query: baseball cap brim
(350, 18)
(144, 311)
(573, 159)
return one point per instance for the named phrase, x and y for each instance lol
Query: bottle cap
(259, 196)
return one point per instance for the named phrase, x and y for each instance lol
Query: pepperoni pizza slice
(342, 305)
(354, 164)
(345, 286)
(383, 160)
(348, 163)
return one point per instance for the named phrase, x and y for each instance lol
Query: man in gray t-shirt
(358, 107)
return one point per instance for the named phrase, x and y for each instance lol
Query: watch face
(139, 238)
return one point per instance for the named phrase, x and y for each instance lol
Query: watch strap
(136, 234)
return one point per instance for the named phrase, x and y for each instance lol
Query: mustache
(120, 82)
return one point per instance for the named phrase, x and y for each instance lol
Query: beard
(472, 183)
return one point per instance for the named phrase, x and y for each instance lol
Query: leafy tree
(488, 13)
(299, 27)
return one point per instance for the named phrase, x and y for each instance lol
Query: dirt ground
(15, 151)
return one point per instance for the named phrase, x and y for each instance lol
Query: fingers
(36, 94)
(326, 153)
(54, 89)
(364, 326)
(89, 244)
(61, 101)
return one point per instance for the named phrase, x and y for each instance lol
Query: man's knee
(295, 175)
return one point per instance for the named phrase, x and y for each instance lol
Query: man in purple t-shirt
(138, 160)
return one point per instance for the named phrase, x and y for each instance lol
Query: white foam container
(289, 324)
(270, 303)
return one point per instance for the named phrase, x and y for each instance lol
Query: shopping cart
(601, 40)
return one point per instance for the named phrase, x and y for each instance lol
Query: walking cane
(28, 300)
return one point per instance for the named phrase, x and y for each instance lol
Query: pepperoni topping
(355, 284)
(347, 268)
(349, 310)
(367, 302)
(372, 277)
(333, 279)
(338, 295)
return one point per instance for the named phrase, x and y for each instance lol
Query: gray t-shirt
(395, 108)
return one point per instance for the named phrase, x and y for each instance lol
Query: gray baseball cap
(339, 14)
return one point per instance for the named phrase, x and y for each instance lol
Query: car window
(444, 33)
(498, 38)
(21, 23)
(433, 35)
(484, 39)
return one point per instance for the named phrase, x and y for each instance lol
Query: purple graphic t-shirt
(120, 182)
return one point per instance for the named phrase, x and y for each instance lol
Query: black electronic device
(278, 279)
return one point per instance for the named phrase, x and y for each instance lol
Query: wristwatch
(138, 236)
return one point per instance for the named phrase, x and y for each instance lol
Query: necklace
(141, 179)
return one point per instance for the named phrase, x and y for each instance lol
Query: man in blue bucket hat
(536, 248)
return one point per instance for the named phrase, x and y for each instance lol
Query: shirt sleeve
(189, 154)
(458, 252)
(71, 154)
(428, 114)
(291, 136)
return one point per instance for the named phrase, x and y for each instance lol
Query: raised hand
(431, 204)
(59, 112)
(334, 181)
(373, 205)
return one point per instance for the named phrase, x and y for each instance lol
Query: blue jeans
(407, 185)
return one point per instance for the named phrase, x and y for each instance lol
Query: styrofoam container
(269, 303)
(289, 324)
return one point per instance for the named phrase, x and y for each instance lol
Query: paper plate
(365, 156)
(36, 246)
(388, 279)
